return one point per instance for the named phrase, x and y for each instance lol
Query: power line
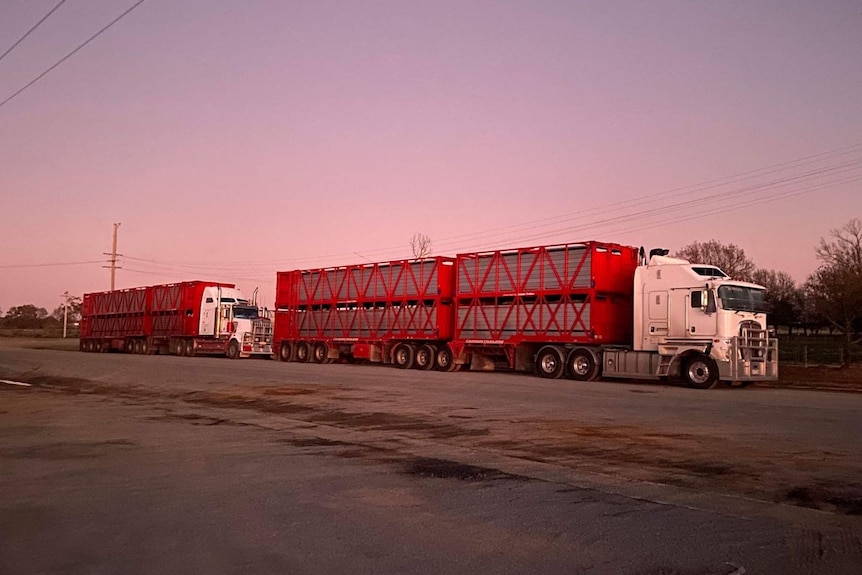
(787, 186)
(72, 53)
(814, 166)
(21, 39)
(48, 265)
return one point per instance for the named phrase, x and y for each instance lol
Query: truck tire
(190, 348)
(443, 359)
(302, 352)
(233, 349)
(699, 371)
(320, 353)
(424, 359)
(129, 346)
(582, 365)
(285, 351)
(404, 355)
(549, 362)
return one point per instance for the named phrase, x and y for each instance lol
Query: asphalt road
(137, 464)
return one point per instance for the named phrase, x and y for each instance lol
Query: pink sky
(235, 139)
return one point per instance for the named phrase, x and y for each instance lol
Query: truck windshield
(245, 312)
(741, 298)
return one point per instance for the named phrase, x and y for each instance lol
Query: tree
(74, 310)
(25, 317)
(783, 297)
(730, 258)
(420, 244)
(836, 286)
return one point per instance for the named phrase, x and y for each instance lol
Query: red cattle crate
(571, 293)
(560, 269)
(118, 313)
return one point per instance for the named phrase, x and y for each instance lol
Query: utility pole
(113, 257)
(65, 311)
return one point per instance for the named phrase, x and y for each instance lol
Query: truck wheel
(320, 353)
(302, 352)
(424, 359)
(404, 355)
(582, 365)
(190, 348)
(129, 346)
(285, 351)
(700, 372)
(139, 347)
(443, 359)
(233, 349)
(549, 363)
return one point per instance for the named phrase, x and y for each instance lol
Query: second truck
(582, 310)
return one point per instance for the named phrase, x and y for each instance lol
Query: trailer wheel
(700, 372)
(404, 355)
(582, 365)
(443, 359)
(320, 353)
(302, 352)
(233, 349)
(285, 351)
(190, 348)
(424, 357)
(549, 363)
(139, 346)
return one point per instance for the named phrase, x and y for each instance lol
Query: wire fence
(817, 350)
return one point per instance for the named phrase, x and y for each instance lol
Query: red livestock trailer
(488, 309)
(520, 307)
(397, 311)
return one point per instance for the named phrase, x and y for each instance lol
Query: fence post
(805, 354)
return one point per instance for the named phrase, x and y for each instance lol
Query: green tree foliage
(24, 317)
(729, 257)
(783, 297)
(836, 286)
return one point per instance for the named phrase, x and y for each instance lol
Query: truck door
(208, 316)
(702, 319)
(656, 304)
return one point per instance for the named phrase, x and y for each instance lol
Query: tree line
(831, 297)
(31, 317)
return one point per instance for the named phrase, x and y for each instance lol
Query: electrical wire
(618, 211)
(72, 53)
(36, 25)
(688, 208)
(48, 265)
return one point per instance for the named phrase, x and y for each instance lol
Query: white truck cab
(228, 315)
(693, 321)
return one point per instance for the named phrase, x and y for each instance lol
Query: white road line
(15, 382)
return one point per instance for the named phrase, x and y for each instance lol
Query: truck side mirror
(710, 302)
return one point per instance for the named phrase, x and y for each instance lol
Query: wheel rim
(302, 352)
(548, 363)
(421, 357)
(319, 353)
(581, 366)
(699, 372)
